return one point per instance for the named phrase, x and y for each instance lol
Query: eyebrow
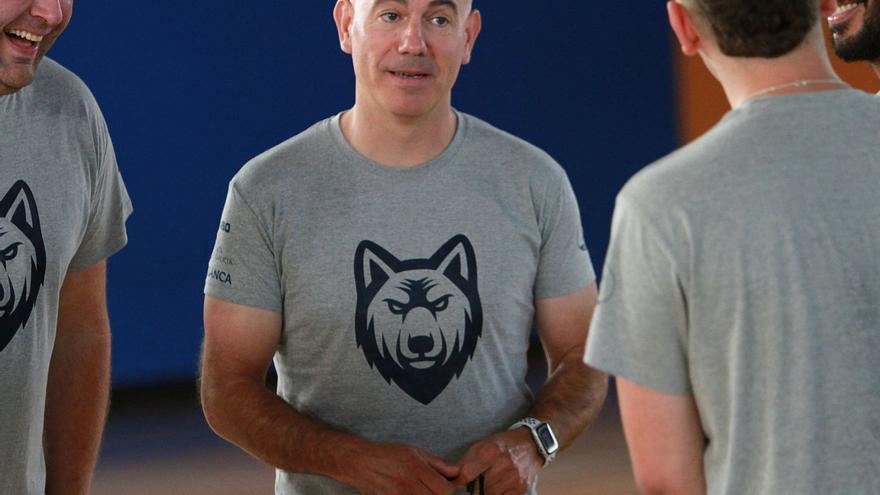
(434, 3)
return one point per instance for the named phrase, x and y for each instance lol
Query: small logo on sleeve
(220, 276)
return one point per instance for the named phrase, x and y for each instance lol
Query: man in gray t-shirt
(855, 31)
(393, 259)
(740, 302)
(62, 212)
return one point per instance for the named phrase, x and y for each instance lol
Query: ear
(372, 264)
(684, 28)
(456, 259)
(19, 207)
(343, 15)
(472, 29)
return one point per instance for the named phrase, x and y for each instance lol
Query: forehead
(460, 5)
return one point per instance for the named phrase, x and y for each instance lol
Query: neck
(744, 78)
(399, 141)
(876, 66)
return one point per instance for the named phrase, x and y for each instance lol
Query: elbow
(660, 484)
(212, 407)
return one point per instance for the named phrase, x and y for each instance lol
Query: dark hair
(759, 28)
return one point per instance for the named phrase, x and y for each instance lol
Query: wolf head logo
(22, 260)
(418, 320)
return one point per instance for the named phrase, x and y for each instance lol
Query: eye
(441, 303)
(440, 21)
(389, 16)
(395, 307)
(10, 252)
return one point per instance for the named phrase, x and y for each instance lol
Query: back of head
(758, 28)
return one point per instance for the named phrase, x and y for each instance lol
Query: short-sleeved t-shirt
(407, 295)
(62, 208)
(743, 270)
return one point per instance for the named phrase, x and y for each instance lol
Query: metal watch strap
(532, 424)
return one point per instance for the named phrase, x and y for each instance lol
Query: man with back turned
(739, 306)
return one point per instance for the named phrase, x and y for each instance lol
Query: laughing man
(855, 30)
(62, 213)
(392, 259)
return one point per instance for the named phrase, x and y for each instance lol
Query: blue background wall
(192, 90)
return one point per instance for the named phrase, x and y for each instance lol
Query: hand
(508, 461)
(391, 469)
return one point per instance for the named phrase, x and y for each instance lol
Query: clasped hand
(508, 461)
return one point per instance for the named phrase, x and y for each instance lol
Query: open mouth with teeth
(23, 39)
(409, 75)
(846, 9)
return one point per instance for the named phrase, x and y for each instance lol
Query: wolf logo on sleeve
(418, 320)
(22, 260)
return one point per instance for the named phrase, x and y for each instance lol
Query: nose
(413, 39)
(48, 10)
(421, 344)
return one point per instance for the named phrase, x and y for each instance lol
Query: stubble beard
(864, 45)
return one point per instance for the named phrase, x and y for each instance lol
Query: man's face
(28, 28)
(855, 29)
(407, 53)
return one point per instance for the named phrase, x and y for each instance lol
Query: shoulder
(689, 173)
(59, 91)
(279, 166)
(513, 157)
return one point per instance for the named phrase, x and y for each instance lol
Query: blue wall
(192, 90)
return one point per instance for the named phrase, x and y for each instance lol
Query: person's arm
(79, 382)
(665, 439)
(239, 344)
(569, 401)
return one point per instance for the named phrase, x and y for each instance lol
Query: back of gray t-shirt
(744, 270)
(407, 294)
(62, 208)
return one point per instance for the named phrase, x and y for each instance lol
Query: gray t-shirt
(62, 208)
(743, 270)
(407, 294)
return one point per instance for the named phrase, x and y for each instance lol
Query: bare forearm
(76, 407)
(572, 397)
(252, 417)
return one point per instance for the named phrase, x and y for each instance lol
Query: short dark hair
(759, 28)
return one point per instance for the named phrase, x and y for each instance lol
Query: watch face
(547, 438)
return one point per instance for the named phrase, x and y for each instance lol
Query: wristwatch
(543, 435)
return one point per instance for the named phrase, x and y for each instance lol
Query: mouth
(410, 75)
(24, 40)
(846, 9)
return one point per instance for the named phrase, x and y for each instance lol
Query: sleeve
(564, 265)
(109, 209)
(243, 267)
(639, 329)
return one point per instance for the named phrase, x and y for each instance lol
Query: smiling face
(855, 29)
(406, 53)
(29, 28)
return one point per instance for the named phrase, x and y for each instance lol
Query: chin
(16, 78)
(412, 109)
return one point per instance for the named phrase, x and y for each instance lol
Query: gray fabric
(294, 220)
(53, 144)
(743, 270)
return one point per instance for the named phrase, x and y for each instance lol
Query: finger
(471, 466)
(439, 465)
(434, 482)
(503, 479)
